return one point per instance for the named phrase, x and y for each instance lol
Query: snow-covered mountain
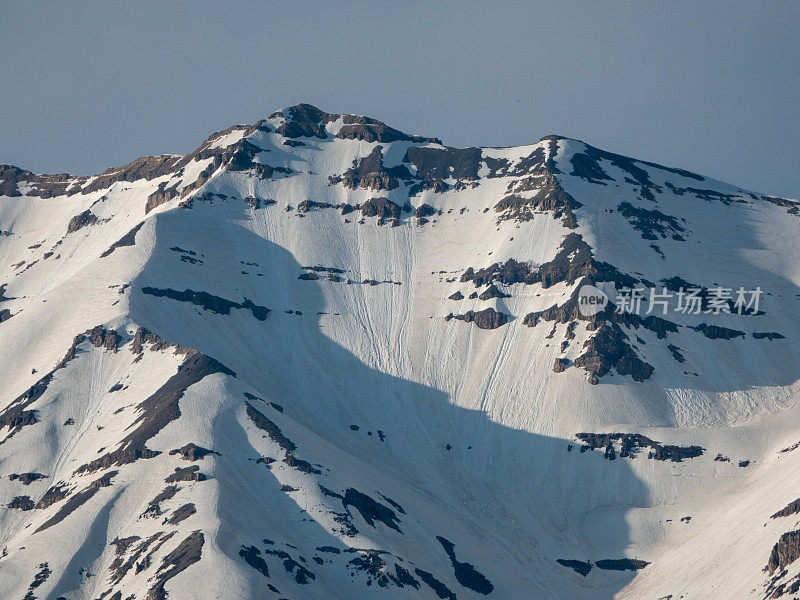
(321, 358)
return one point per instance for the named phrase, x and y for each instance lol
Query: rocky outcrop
(157, 411)
(717, 332)
(573, 262)
(652, 224)
(370, 509)
(80, 221)
(366, 129)
(26, 478)
(192, 452)
(465, 573)
(492, 292)
(383, 208)
(78, 499)
(790, 509)
(608, 348)
(621, 564)
(488, 318)
(549, 197)
(161, 196)
(630, 444)
(434, 164)
(579, 566)
(369, 173)
(209, 302)
(784, 552)
(129, 239)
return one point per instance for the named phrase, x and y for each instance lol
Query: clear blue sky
(709, 86)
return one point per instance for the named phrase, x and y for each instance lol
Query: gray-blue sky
(709, 86)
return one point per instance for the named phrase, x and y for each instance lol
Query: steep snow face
(322, 358)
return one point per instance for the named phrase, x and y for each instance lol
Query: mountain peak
(319, 356)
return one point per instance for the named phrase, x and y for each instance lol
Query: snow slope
(321, 358)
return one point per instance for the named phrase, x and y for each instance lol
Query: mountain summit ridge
(318, 357)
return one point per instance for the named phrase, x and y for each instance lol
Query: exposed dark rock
(26, 478)
(608, 348)
(161, 196)
(790, 509)
(307, 205)
(129, 239)
(549, 197)
(146, 167)
(145, 336)
(207, 301)
(394, 504)
(652, 224)
(579, 566)
(371, 174)
(192, 452)
(301, 465)
(273, 431)
(632, 443)
(793, 206)
(158, 410)
(76, 500)
(366, 129)
(573, 261)
(465, 573)
(120, 567)
(38, 579)
(424, 210)
(437, 186)
(707, 195)
(456, 296)
(43, 186)
(437, 586)
(304, 120)
(785, 552)
(181, 514)
(769, 335)
(80, 221)
(186, 554)
(252, 556)
(17, 414)
(717, 332)
(370, 509)
(444, 163)
(560, 365)
(53, 495)
(402, 577)
(21, 503)
(154, 506)
(492, 292)
(191, 473)
(383, 208)
(587, 165)
(676, 353)
(621, 564)
(488, 318)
